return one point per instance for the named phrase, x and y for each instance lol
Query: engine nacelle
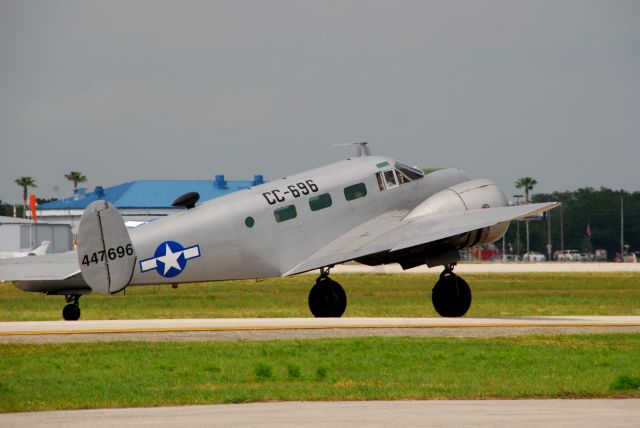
(470, 195)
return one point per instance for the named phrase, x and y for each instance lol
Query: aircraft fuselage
(239, 237)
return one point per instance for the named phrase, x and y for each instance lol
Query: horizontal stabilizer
(39, 268)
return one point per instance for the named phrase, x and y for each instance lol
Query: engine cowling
(470, 195)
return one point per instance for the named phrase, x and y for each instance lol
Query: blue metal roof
(152, 193)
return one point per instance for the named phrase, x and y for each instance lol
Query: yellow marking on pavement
(311, 327)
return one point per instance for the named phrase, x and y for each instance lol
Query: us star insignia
(170, 259)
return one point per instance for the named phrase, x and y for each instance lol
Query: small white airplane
(371, 209)
(38, 251)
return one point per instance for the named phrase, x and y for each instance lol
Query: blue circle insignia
(170, 260)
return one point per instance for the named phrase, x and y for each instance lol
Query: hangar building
(18, 234)
(140, 200)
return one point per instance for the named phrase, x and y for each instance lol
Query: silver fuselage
(231, 250)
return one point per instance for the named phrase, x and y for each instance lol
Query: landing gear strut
(327, 298)
(451, 295)
(71, 312)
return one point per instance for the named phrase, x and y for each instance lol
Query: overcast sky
(127, 90)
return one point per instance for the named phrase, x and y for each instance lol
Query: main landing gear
(451, 295)
(327, 298)
(71, 312)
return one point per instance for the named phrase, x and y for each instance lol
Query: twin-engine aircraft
(370, 209)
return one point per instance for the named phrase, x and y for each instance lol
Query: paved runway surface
(293, 328)
(496, 267)
(446, 413)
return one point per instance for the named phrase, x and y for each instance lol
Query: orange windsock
(33, 204)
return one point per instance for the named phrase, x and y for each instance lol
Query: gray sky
(126, 90)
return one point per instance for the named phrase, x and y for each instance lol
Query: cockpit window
(402, 179)
(390, 179)
(401, 174)
(410, 172)
(380, 181)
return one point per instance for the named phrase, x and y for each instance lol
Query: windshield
(409, 171)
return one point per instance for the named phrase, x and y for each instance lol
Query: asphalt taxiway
(496, 267)
(445, 413)
(439, 413)
(302, 328)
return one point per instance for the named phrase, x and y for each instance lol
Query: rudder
(105, 253)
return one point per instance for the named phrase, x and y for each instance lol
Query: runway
(303, 328)
(445, 413)
(496, 267)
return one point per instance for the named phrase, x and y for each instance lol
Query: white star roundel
(170, 259)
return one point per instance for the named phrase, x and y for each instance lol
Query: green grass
(377, 295)
(117, 374)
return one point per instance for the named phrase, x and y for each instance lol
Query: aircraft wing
(392, 232)
(55, 266)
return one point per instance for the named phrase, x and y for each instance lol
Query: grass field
(118, 374)
(376, 295)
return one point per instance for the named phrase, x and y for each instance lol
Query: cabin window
(355, 191)
(249, 222)
(320, 202)
(285, 213)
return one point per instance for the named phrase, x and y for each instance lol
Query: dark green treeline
(598, 209)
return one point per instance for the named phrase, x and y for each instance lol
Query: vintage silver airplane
(371, 209)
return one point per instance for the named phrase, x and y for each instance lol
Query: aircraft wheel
(327, 298)
(71, 312)
(451, 295)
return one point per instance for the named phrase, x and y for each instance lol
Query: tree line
(584, 212)
(29, 182)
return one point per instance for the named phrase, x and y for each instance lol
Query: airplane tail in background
(40, 249)
(105, 254)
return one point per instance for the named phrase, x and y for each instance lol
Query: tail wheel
(451, 295)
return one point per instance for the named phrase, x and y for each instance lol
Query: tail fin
(41, 249)
(105, 253)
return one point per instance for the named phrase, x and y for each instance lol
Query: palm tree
(76, 177)
(25, 183)
(526, 183)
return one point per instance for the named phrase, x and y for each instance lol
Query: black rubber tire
(327, 298)
(451, 296)
(71, 312)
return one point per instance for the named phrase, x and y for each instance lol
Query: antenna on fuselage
(362, 151)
